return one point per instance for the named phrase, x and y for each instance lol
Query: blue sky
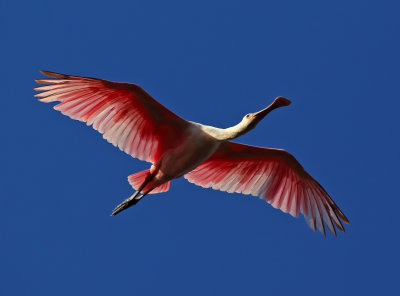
(211, 62)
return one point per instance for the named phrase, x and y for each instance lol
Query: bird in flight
(128, 117)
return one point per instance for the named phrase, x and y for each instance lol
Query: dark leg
(134, 199)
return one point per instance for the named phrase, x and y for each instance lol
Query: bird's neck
(224, 134)
(248, 122)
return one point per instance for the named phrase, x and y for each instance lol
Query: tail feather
(162, 188)
(137, 179)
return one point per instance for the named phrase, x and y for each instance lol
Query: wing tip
(53, 74)
(41, 81)
(344, 219)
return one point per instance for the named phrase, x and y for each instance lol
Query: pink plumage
(273, 175)
(124, 113)
(137, 179)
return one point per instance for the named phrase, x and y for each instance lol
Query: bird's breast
(195, 148)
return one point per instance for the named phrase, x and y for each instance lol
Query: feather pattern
(273, 175)
(124, 113)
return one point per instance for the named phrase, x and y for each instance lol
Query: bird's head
(252, 119)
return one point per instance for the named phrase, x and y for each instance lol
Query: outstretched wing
(274, 175)
(124, 113)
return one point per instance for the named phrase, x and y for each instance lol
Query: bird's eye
(248, 115)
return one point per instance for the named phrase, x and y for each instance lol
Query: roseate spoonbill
(128, 117)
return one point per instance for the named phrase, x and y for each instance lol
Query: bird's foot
(126, 204)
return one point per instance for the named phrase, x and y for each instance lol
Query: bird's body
(192, 147)
(131, 119)
(195, 144)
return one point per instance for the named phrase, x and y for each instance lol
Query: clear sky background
(210, 62)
